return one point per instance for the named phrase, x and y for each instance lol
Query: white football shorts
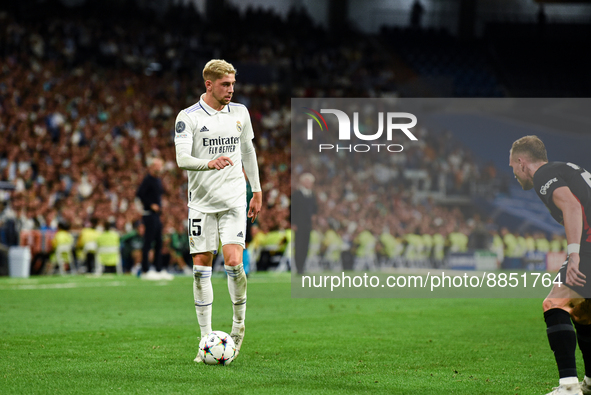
(207, 229)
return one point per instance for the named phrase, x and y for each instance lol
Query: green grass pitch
(84, 335)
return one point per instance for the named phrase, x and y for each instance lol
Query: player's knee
(552, 303)
(233, 258)
(233, 261)
(202, 259)
(546, 305)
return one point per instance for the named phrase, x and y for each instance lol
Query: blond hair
(531, 146)
(216, 69)
(307, 177)
(155, 162)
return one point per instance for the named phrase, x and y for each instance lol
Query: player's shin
(563, 342)
(203, 294)
(584, 340)
(237, 289)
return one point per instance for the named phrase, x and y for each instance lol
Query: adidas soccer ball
(217, 348)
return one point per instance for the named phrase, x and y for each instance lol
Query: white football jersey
(214, 134)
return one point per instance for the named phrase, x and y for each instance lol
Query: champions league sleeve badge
(180, 126)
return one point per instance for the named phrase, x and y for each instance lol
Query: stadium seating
(129, 86)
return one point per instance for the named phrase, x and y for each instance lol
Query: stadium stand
(530, 59)
(87, 96)
(456, 68)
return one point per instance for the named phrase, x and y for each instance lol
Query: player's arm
(183, 140)
(186, 161)
(251, 168)
(141, 190)
(572, 215)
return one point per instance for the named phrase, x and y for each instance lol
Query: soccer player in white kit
(213, 140)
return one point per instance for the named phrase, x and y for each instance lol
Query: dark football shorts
(585, 268)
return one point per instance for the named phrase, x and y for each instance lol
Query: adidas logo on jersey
(240, 234)
(204, 129)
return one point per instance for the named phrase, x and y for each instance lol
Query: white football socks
(568, 381)
(203, 293)
(237, 289)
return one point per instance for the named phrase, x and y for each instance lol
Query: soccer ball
(217, 348)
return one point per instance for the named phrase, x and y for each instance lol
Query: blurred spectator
(175, 251)
(542, 243)
(86, 98)
(303, 208)
(416, 14)
(62, 238)
(108, 245)
(132, 243)
(510, 242)
(86, 246)
(479, 238)
(150, 193)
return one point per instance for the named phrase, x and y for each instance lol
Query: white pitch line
(63, 285)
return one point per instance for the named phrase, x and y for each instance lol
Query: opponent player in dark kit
(565, 188)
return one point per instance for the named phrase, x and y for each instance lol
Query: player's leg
(302, 243)
(236, 280)
(237, 289)
(232, 225)
(149, 233)
(157, 243)
(162, 274)
(581, 316)
(202, 290)
(203, 239)
(558, 306)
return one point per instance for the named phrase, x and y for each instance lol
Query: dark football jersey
(554, 175)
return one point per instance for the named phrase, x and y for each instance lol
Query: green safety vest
(109, 239)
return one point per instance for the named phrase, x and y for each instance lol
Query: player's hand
(155, 208)
(220, 163)
(573, 274)
(255, 205)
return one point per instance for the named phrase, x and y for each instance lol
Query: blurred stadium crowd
(88, 97)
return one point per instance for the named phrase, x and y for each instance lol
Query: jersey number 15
(194, 227)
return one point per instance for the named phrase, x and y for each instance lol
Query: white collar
(209, 110)
(306, 191)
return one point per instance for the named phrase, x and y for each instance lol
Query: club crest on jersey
(238, 126)
(191, 242)
(180, 126)
(544, 188)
